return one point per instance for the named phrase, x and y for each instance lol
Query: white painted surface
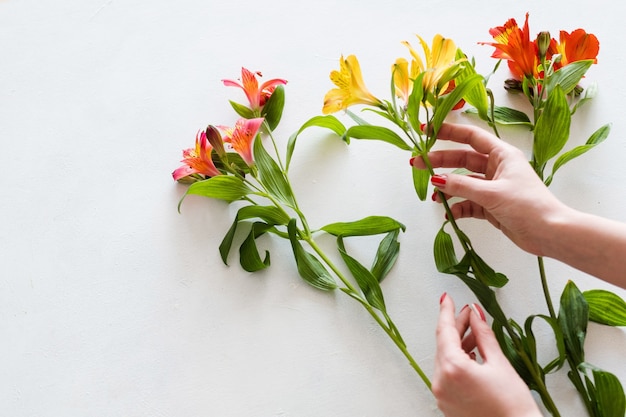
(113, 304)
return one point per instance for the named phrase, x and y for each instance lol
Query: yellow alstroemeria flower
(403, 77)
(351, 88)
(438, 60)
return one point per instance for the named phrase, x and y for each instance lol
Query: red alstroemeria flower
(514, 45)
(577, 46)
(241, 137)
(257, 96)
(197, 160)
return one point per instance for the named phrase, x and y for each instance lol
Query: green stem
(544, 285)
(351, 290)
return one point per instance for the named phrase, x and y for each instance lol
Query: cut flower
(350, 89)
(197, 160)
(241, 137)
(257, 95)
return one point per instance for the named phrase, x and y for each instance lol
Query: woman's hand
(513, 199)
(465, 387)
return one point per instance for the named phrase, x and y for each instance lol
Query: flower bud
(513, 85)
(543, 43)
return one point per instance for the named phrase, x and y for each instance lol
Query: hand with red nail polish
(465, 387)
(506, 191)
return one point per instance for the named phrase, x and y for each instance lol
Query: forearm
(592, 244)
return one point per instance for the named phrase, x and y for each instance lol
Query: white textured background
(113, 304)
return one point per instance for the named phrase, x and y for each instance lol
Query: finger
(447, 335)
(462, 321)
(479, 139)
(454, 158)
(486, 342)
(469, 342)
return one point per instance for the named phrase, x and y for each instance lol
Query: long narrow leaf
(327, 122)
(377, 133)
(222, 187)
(573, 318)
(271, 175)
(568, 76)
(273, 109)
(364, 278)
(552, 127)
(386, 255)
(309, 267)
(372, 225)
(249, 257)
(596, 138)
(606, 307)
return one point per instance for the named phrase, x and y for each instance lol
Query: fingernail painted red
(480, 312)
(412, 160)
(434, 196)
(465, 307)
(438, 180)
(443, 297)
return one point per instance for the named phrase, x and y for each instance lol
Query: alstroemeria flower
(514, 45)
(577, 46)
(351, 88)
(197, 160)
(257, 96)
(241, 137)
(437, 60)
(403, 77)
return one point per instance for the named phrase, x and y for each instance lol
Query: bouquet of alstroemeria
(233, 164)
(423, 93)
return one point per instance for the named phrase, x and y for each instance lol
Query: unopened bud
(543, 43)
(513, 85)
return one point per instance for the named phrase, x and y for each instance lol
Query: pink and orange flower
(241, 137)
(257, 95)
(197, 160)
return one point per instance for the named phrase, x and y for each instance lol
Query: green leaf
(558, 362)
(606, 307)
(507, 116)
(386, 255)
(272, 215)
(249, 257)
(568, 76)
(309, 267)
(444, 253)
(327, 122)
(421, 179)
(271, 175)
(476, 96)
(447, 102)
(609, 392)
(242, 110)
(377, 133)
(596, 138)
(273, 108)
(483, 272)
(415, 102)
(222, 187)
(573, 319)
(365, 279)
(372, 225)
(552, 127)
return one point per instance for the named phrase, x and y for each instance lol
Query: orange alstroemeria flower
(197, 160)
(577, 46)
(241, 137)
(257, 95)
(350, 89)
(514, 45)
